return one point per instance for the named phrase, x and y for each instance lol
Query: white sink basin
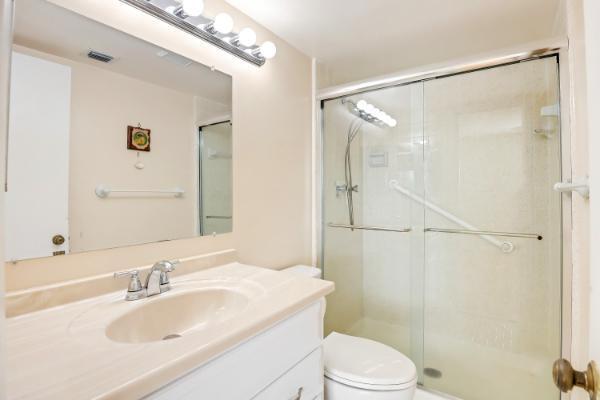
(171, 316)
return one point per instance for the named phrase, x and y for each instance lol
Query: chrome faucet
(157, 281)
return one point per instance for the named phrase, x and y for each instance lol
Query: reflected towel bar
(104, 191)
(217, 217)
(369, 228)
(487, 233)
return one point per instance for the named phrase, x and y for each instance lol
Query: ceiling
(357, 39)
(36, 23)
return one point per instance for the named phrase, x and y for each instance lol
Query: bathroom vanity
(229, 332)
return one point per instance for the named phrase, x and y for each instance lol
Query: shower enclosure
(442, 231)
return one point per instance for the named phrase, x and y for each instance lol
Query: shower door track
(407, 78)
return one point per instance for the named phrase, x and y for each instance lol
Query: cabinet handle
(298, 395)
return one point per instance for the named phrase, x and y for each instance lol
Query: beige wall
(271, 164)
(98, 155)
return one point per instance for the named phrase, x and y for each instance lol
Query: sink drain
(173, 336)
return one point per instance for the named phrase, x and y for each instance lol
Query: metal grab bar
(369, 228)
(104, 191)
(505, 247)
(487, 233)
(217, 217)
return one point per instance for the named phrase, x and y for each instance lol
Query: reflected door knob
(565, 378)
(58, 240)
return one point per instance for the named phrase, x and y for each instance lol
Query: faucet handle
(166, 267)
(135, 290)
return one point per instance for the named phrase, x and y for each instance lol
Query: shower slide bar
(487, 233)
(505, 246)
(369, 228)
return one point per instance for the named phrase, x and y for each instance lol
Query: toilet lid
(365, 361)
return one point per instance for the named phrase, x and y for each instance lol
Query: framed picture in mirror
(138, 138)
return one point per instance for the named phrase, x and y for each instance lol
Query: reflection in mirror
(215, 178)
(104, 143)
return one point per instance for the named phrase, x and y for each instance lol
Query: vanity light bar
(372, 114)
(240, 44)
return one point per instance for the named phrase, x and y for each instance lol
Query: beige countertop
(63, 352)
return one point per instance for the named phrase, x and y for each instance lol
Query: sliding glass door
(441, 229)
(377, 267)
(493, 299)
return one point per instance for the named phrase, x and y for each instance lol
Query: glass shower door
(492, 302)
(378, 273)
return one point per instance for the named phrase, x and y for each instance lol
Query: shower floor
(470, 371)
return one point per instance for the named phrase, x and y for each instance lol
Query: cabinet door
(248, 369)
(303, 382)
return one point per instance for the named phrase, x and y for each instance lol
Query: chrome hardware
(580, 186)
(157, 281)
(565, 378)
(369, 228)
(217, 217)
(487, 233)
(341, 188)
(135, 290)
(57, 240)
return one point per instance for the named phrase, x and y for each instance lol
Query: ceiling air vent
(95, 55)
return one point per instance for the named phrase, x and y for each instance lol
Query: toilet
(361, 369)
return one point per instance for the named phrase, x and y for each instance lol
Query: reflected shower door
(378, 274)
(216, 209)
(492, 303)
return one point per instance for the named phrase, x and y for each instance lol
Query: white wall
(592, 48)
(6, 12)
(272, 148)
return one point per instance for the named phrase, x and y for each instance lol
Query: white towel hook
(580, 186)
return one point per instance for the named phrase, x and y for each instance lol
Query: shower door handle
(369, 228)
(565, 378)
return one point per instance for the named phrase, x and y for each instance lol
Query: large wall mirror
(113, 141)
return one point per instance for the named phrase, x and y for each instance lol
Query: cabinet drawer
(303, 382)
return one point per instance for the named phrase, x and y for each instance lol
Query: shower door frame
(561, 52)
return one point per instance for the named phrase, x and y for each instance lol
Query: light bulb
(223, 23)
(268, 50)
(193, 8)
(393, 123)
(247, 37)
(361, 105)
(370, 108)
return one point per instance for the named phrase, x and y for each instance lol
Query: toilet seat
(366, 364)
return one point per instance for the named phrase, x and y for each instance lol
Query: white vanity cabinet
(284, 362)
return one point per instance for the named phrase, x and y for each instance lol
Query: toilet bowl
(362, 369)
